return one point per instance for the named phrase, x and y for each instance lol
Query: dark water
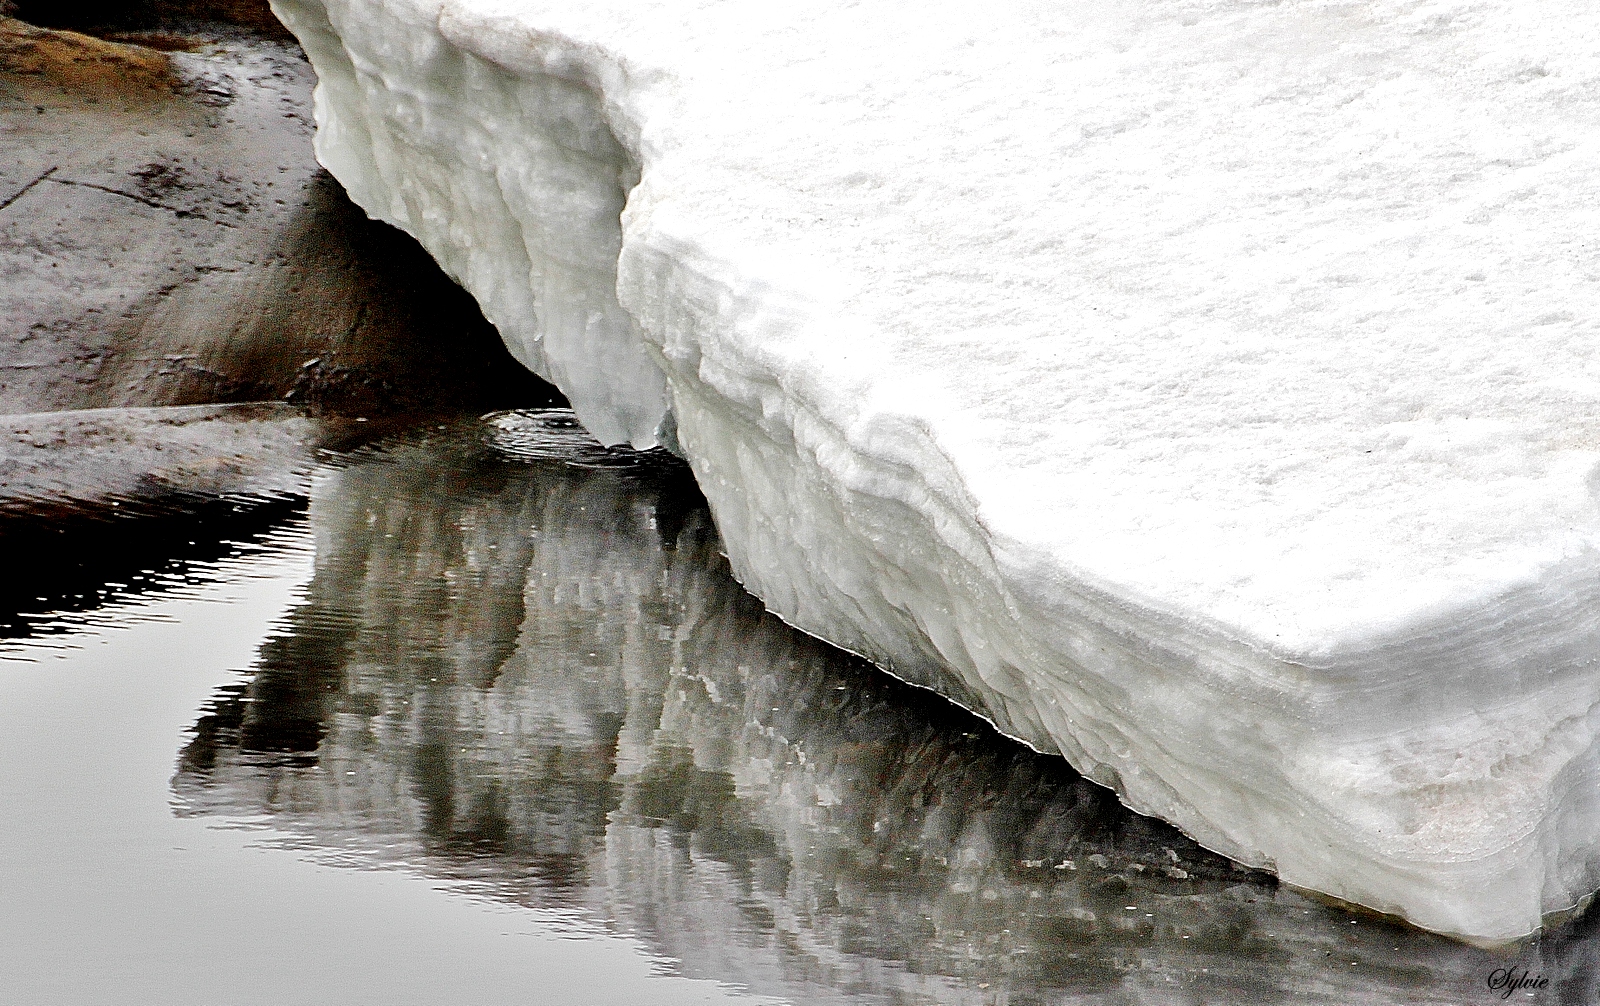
(81, 559)
(487, 720)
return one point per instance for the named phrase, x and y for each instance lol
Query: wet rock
(166, 238)
(106, 456)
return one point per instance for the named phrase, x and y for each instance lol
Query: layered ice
(1205, 391)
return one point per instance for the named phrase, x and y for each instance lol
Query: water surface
(487, 720)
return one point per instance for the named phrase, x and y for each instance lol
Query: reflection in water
(81, 557)
(522, 666)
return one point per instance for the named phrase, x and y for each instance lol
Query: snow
(1204, 390)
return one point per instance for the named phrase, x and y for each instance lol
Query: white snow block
(1208, 391)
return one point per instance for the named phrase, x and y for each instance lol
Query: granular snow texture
(1204, 390)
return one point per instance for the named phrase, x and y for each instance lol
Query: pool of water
(486, 719)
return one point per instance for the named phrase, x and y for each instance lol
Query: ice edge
(849, 522)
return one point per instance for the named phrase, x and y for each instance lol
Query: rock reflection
(80, 559)
(522, 665)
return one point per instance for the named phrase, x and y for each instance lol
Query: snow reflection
(522, 667)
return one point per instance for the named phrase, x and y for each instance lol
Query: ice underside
(1205, 391)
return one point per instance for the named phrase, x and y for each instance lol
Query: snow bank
(1206, 391)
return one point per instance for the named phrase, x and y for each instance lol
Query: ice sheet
(1205, 391)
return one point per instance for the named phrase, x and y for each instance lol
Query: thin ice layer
(1203, 390)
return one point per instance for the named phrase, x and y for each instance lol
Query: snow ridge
(1115, 492)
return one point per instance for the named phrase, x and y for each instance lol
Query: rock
(167, 238)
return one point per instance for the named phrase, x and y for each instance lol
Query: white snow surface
(1208, 390)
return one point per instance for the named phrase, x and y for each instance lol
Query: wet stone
(166, 238)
